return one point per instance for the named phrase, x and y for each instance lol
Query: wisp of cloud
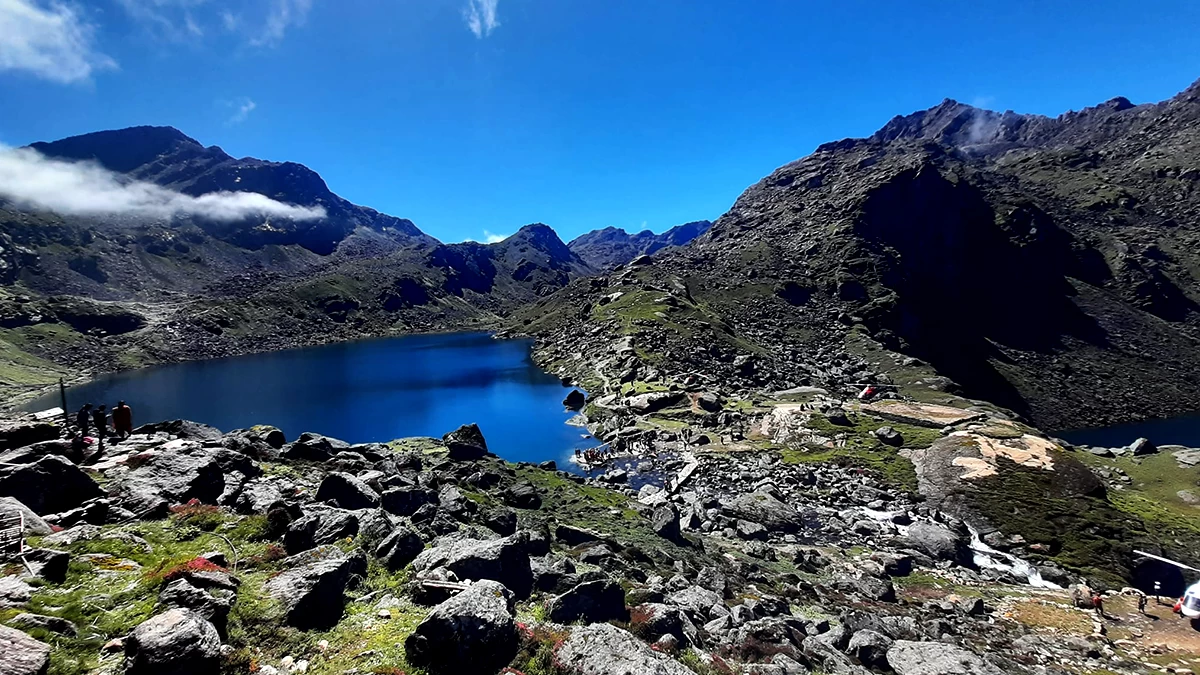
(31, 180)
(481, 17)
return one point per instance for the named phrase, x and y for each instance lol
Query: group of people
(595, 455)
(121, 421)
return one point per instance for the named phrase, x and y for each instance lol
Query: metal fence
(12, 531)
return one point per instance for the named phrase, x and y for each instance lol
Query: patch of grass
(421, 445)
(895, 470)
(639, 387)
(1061, 619)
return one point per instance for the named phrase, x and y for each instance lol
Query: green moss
(638, 387)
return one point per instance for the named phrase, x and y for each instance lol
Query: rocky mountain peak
(122, 150)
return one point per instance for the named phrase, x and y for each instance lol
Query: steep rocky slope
(1047, 265)
(612, 247)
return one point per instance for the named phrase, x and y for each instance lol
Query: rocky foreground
(188, 550)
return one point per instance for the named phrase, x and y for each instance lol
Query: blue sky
(474, 117)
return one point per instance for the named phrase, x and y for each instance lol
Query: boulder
(320, 525)
(312, 447)
(665, 521)
(50, 485)
(936, 658)
(825, 653)
(399, 549)
(1142, 446)
(644, 404)
(466, 443)
(765, 509)
(21, 654)
(258, 496)
(180, 471)
(589, 602)
(214, 608)
(48, 564)
(54, 624)
(870, 648)
(503, 560)
(602, 649)
(23, 431)
(522, 495)
(654, 620)
(34, 525)
(14, 592)
(889, 436)
(374, 525)
(472, 632)
(313, 591)
(404, 501)
(940, 543)
(348, 491)
(695, 600)
(176, 642)
(574, 400)
(185, 429)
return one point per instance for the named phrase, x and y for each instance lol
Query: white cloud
(33, 181)
(242, 109)
(284, 14)
(230, 20)
(492, 238)
(51, 41)
(481, 17)
(169, 20)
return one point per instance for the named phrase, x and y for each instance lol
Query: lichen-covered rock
(313, 591)
(472, 632)
(764, 509)
(503, 560)
(212, 606)
(21, 654)
(182, 470)
(603, 649)
(936, 658)
(176, 642)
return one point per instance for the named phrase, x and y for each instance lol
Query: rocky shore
(187, 550)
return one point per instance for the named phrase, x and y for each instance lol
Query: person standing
(122, 418)
(83, 418)
(100, 420)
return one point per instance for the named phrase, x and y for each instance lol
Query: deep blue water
(366, 391)
(1184, 430)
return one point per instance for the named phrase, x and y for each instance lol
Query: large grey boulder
(589, 602)
(940, 543)
(665, 521)
(503, 560)
(348, 491)
(399, 549)
(604, 649)
(764, 509)
(313, 591)
(48, 564)
(404, 501)
(695, 600)
(180, 471)
(654, 401)
(21, 654)
(320, 525)
(258, 496)
(212, 606)
(34, 525)
(54, 624)
(466, 442)
(50, 485)
(870, 648)
(176, 642)
(936, 658)
(14, 592)
(472, 632)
